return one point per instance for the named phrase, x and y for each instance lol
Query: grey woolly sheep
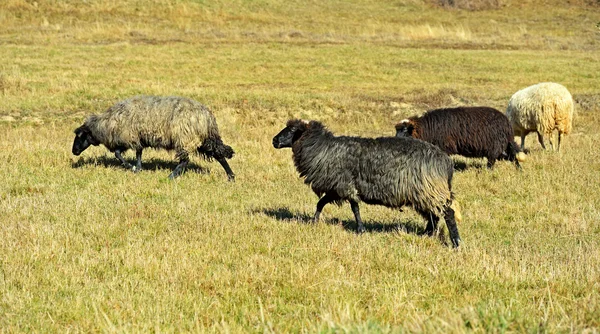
(388, 171)
(171, 123)
(541, 108)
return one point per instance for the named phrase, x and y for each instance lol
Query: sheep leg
(123, 162)
(328, 198)
(356, 211)
(179, 168)
(559, 138)
(541, 140)
(550, 139)
(432, 222)
(138, 162)
(523, 135)
(230, 174)
(491, 162)
(452, 228)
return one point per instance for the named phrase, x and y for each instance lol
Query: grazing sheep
(387, 171)
(171, 123)
(474, 132)
(541, 108)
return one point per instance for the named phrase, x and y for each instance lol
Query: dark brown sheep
(474, 132)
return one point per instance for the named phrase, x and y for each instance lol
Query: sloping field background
(86, 246)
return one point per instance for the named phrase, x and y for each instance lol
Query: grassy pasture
(89, 247)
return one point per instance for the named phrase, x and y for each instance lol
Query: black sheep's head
(292, 132)
(83, 139)
(405, 128)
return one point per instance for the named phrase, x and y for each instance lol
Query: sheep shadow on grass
(152, 164)
(284, 214)
(463, 165)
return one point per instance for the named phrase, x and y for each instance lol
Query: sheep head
(292, 132)
(405, 128)
(83, 139)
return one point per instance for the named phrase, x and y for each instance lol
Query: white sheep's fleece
(542, 107)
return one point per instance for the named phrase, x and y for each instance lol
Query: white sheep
(541, 108)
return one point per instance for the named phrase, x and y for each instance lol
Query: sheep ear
(80, 130)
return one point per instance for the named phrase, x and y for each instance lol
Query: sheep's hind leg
(559, 138)
(138, 162)
(541, 140)
(452, 228)
(179, 169)
(356, 211)
(328, 198)
(123, 162)
(550, 139)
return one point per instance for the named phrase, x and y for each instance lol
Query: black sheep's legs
(452, 228)
(180, 168)
(490, 162)
(432, 222)
(328, 198)
(120, 157)
(138, 162)
(230, 174)
(356, 211)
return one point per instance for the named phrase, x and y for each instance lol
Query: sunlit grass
(90, 247)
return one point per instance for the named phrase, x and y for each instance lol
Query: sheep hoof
(456, 242)
(231, 178)
(361, 230)
(136, 169)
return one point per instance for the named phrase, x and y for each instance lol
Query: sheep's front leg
(179, 169)
(523, 135)
(432, 222)
(138, 162)
(356, 211)
(123, 162)
(328, 198)
(225, 165)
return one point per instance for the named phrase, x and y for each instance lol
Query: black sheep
(475, 132)
(388, 171)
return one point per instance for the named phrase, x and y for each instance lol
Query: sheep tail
(215, 148)
(514, 152)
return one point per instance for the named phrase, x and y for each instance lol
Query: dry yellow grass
(89, 247)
